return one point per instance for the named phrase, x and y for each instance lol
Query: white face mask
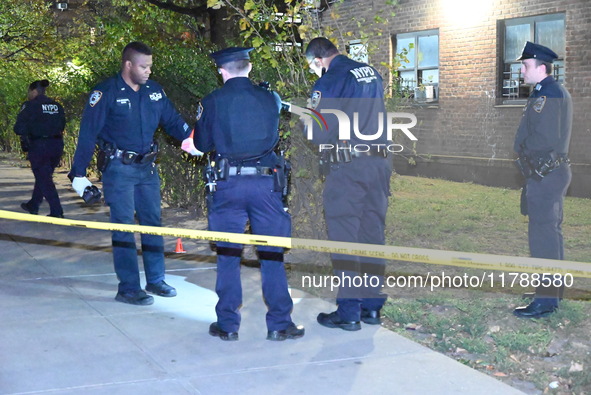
(316, 67)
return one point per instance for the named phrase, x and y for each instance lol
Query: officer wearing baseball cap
(239, 123)
(542, 143)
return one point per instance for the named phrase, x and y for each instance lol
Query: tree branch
(169, 5)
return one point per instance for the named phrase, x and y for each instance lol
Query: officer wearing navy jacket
(542, 143)
(121, 116)
(40, 125)
(358, 181)
(239, 122)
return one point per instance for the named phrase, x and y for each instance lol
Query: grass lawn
(476, 325)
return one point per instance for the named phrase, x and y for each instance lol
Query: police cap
(230, 55)
(537, 51)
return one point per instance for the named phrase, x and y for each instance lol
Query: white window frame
(421, 91)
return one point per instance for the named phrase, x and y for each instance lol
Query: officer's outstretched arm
(188, 145)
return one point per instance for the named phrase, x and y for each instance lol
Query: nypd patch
(538, 105)
(95, 97)
(155, 96)
(315, 99)
(199, 111)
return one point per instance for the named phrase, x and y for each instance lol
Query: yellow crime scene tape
(408, 254)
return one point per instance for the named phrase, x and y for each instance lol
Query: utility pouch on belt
(105, 156)
(523, 202)
(209, 176)
(522, 164)
(545, 164)
(342, 152)
(128, 157)
(25, 143)
(281, 178)
(222, 169)
(151, 156)
(324, 163)
(538, 167)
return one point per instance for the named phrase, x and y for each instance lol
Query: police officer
(357, 185)
(121, 115)
(542, 142)
(40, 125)
(240, 123)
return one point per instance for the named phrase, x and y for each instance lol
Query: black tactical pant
(45, 155)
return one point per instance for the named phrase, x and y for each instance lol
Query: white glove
(188, 145)
(79, 184)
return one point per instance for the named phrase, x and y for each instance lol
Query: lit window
(418, 71)
(547, 30)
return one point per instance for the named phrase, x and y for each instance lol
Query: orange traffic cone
(179, 247)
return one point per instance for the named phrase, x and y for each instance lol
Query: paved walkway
(61, 332)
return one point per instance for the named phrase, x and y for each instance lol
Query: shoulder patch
(315, 99)
(199, 111)
(95, 97)
(155, 96)
(538, 105)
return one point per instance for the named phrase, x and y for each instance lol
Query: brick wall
(467, 128)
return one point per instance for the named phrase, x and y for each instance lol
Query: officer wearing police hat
(239, 124)
(542, 143)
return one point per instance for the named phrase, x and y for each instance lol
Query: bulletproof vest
(248, 119)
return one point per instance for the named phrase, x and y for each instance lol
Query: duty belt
(129, 157)
(345, 155)
(562, 159)
(381, 153)
(249, 171)
(56, 136)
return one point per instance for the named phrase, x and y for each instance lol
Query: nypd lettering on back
(50, 109)
(364, 74)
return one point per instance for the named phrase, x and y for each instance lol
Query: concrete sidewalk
(61, 332)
